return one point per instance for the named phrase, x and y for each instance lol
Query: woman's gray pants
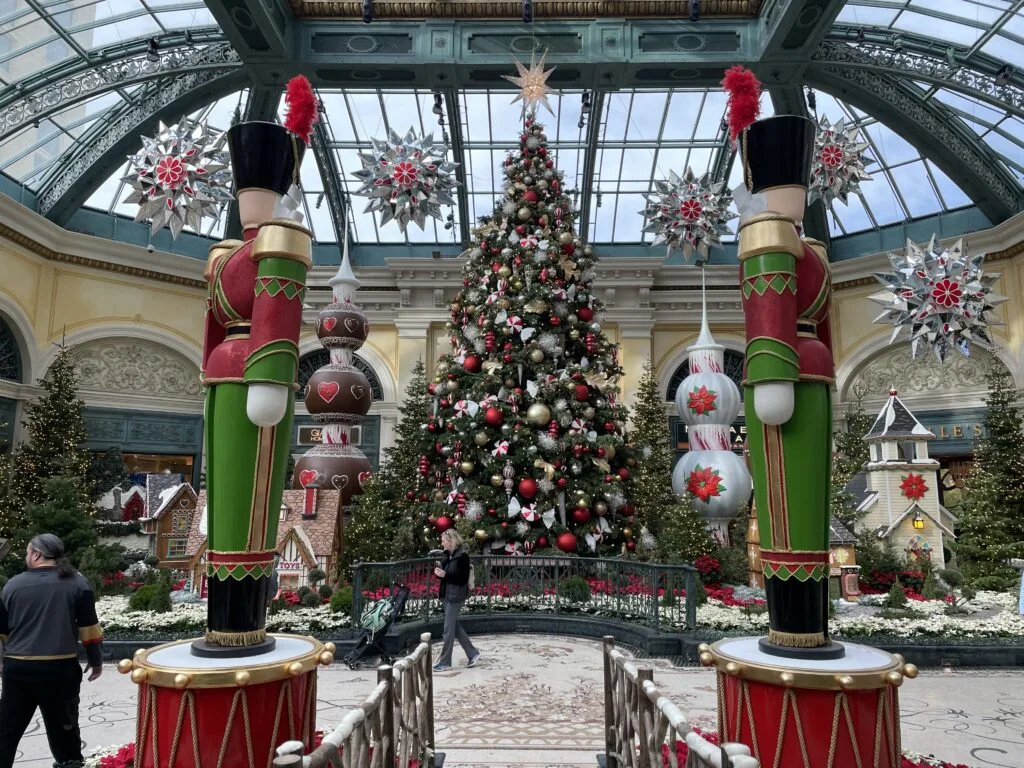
(453, 631)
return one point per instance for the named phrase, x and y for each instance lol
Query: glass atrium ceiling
(643, 134)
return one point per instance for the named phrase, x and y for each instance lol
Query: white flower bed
(713, 615)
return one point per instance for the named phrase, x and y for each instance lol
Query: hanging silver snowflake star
(839, 163)
(407, 179)
(180, 176)
(533, 84)
(944, 298)
(688, 213)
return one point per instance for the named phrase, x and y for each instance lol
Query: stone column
(635, 349)
(412, 346)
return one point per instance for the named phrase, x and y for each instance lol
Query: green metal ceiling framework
(791, 45)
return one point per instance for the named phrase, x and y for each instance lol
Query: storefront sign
(289, 565)
(956, 432)
(310, 435)
(737, 435)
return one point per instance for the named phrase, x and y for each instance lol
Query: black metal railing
(655, 595)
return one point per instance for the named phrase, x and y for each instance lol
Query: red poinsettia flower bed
(123, 758)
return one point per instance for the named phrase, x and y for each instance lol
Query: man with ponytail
(44, 613)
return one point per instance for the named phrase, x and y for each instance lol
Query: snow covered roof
(839, 533)
(896, 422)
(914, 508)
(108, 503)
(156, 484)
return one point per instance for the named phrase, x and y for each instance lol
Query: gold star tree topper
(533, 84)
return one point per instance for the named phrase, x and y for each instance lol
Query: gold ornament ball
(505, 271)
(524, 214)
(733, 669)
(438, 495)
(704, 648)
(437, 379)
(536, 355)
(517, 284)
(124, 666)
(787, 679)
(242, 678)
(627, 532)
(480, 438)
(609, 452)
(455, 307)
(330, 647)
(181, 680)
(481, 534)
(139, 675)
(631, 462)
(294, 669)
(573, 318)
(574, 334)
(583, 502)
(910, 670)
(894, 678)
(507, 330)
(706, 658)
(327, 658)
(452, 385)
(845, 682)
(496, 481)
(466, 467)
(538, 414)
(510, 383)
(589, 412)
(601, 508)
(505, 304)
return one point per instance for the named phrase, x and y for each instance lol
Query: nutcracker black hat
(268, 155)
(776, 151)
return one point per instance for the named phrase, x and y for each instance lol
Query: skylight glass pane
(319, 220)
(853, 215)
(645, 119)
(952, 195)
(106, 193)
(913, 182)
(1004, 48)
(866, 15)
(891, 147)
(710, 122)
(942, 30)
(683, 111)
(628, 221)
(882, 201)
(972, 107)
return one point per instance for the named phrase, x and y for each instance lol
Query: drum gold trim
(142, 670)
(847, 680)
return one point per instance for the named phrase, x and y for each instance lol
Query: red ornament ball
(555, 320)
(624, 473)
(542, 151)
(492, 512)
(601, 453)
(609, 426)
(569, 249)
(507, 358)
(495, 266)
(530, 196)
(493, 416)
(410, 495)
(472, 364)
(585, 314)
(443, 523)
(527, 487)
(580, 516)
(521, 229)
(566, 542)
(504, 524)
(542, 542)
(630, 545)
(582, 392)
(562, 482)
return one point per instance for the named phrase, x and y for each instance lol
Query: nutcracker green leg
(791, 465)
(246, 465)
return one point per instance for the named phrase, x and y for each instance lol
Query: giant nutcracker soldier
(796, 697)
(249, 691)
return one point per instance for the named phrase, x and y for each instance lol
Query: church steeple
(896, 425)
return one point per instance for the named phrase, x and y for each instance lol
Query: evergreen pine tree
(652, 477)
(524, 435)
(107, 470)
(991, 527)
(65, 511)
(851, 453)
(53, 448)
(378, 529)
(683, 536)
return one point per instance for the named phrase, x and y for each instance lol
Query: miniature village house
(170, 513)
(309, 535)
(898, 491)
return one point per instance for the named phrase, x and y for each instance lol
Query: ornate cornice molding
(512, 9)
(33, 246)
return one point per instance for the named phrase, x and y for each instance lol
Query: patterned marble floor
(536, 701)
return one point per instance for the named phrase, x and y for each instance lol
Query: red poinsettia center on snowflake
(690, 210)
(947, 293)
(913, 486)
(169, 171)
(405, 174)
(831, 156)
(702, 400)
(705, 482)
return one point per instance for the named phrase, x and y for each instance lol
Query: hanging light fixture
(152, 51)
(438, 104)
(918, 521)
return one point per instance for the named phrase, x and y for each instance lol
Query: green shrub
(735, 567)
(952, 577)
(897, 597)
(326, 591)
(341, 600)
(897, 613)
(701, 594)
(575, 589)
(141, 598)
(277, 604)
(161, 602)
(316, 575)
(931, 589)
(303, 591)
(311, 599)
(152, 561)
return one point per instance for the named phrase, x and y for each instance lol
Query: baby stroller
(377, 619)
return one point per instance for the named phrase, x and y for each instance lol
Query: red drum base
(841, 713)
(196, 712)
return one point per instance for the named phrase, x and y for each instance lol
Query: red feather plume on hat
(301, 103)
(744, 105)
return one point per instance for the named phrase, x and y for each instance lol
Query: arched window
(733, 369)
(10, 355)
(313, 360)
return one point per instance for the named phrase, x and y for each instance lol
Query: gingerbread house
(169, 518)
(309, 535)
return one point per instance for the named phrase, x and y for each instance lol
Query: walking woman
(453, 571)
(44, 613)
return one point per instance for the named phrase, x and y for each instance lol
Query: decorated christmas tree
(851, 453)
(524, 440)
(991, 527)
(652, 471)
(53, 446)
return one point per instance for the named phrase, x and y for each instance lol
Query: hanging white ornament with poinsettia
(942, 297)
(839, 164)
(710, 473)
(688, 213)
(180, 176)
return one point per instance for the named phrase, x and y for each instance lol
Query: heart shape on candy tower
(329, 323)
(307, 477)
(328, 390)
(358, 391)
(363, 477)
(351, 324)
(339, 482)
